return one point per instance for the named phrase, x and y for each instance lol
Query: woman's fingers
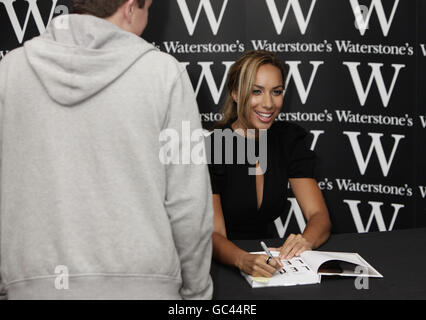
(269, 267)
(294, 250)
(290, 238)
(293, 246)
(288, 246)
(266, 269)
(260, 272)
(301, 250)
(276, 264)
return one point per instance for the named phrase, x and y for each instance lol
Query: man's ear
(129, 8)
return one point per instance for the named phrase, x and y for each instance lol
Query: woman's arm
(318, 227)
(228, 253)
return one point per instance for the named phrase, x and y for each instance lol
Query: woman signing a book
(248, 195)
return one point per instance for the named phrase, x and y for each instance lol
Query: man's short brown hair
(99, 8)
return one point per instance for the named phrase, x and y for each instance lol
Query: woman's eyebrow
(259, 86)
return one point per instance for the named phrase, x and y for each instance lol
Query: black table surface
(400, 256)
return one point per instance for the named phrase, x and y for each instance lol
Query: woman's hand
(293, 246)
(256, 266)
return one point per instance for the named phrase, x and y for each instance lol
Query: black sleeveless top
(288, 156)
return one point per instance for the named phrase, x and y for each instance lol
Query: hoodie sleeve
(2, 92)
(188, 196)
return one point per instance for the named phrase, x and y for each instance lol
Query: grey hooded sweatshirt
(88, 211)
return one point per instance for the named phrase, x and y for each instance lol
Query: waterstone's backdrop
(357, 75)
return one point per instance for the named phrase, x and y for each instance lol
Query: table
(400, 256)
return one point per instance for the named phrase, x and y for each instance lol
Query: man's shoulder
(162, 62)
(13, 55)
(11, 61)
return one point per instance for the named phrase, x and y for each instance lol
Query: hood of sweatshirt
(79, 55)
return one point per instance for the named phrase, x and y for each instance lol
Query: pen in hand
(269, 254)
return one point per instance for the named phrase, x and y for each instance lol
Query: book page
(315, 259)
(295, 272)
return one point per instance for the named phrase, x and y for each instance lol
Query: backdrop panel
(421, 127)
(356, 77)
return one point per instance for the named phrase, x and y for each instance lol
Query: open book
(311, 265)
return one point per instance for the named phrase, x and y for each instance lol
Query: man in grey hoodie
(88, 211)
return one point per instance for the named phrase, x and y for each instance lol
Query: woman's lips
(265, 117)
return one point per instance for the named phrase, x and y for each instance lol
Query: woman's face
(267, 97)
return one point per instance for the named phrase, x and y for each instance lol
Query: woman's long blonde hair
(241, 79)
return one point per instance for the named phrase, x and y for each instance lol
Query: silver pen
(268, 253)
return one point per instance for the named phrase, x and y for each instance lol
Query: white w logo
(376, 75)
(294, 73)
(295, 5)
(206, 73)
(32, 10)
(375, 4)
(206, 4)
(376, 214)
(294, 209)
(375, 145)
(316, 134)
